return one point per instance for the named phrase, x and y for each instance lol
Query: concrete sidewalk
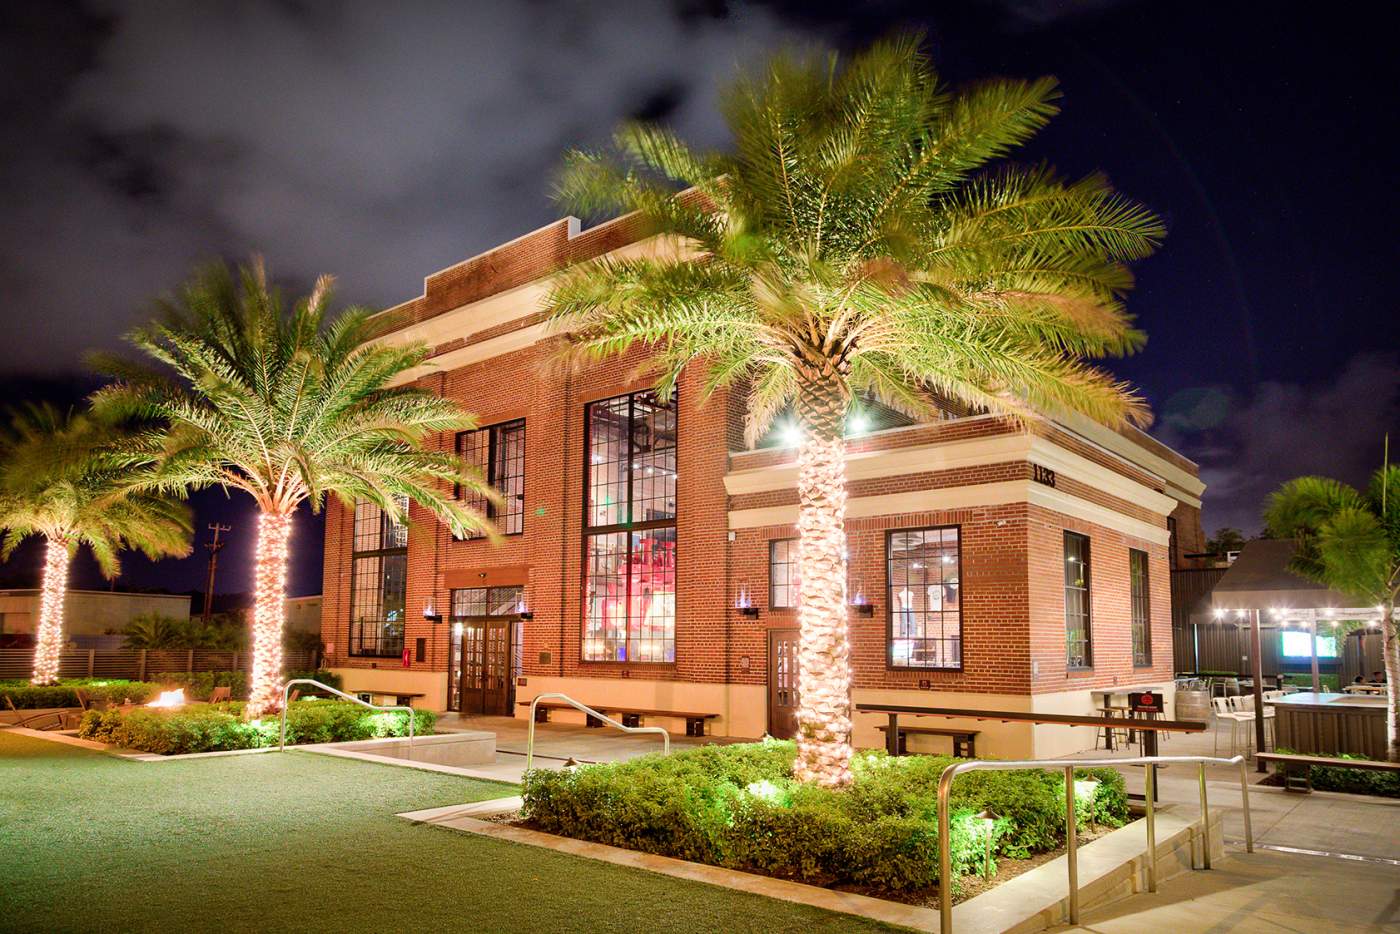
(1259, 892)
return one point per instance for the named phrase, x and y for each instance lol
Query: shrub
(738, 806)
(323, 676)
(64, 694)
(217, 727)
(200, 684)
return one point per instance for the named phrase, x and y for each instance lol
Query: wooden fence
(142, 664)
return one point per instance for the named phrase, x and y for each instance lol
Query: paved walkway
(1259, 892)
(556, 743)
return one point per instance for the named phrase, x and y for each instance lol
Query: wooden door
(485, 671)
(782, 683)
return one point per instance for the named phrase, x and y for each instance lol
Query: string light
(51, 595)
(269, 596)
(824, 644)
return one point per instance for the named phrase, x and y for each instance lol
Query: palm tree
(1349, 540)
(61, 478)
(851, 244)
(287, 405)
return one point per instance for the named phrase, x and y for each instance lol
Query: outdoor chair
(25, 721)
(220, 694)
(1224, 713)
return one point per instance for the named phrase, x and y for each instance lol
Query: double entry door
(479, 667)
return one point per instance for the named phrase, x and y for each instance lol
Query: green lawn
(296, 841)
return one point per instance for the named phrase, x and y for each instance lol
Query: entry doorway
(782, 683)
(480, 669)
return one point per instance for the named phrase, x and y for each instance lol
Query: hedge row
(64, 694)
(217, 727)
(738, 806)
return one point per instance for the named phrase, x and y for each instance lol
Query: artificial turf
(297, 841)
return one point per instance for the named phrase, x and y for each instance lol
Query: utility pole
(214, 548)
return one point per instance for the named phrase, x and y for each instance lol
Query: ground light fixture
(984, 823)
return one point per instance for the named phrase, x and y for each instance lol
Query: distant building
(86, 612)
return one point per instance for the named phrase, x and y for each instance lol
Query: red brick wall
(1110, 613)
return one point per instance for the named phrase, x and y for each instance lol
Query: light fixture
(1219, 613)
(744, 604)
(862, 605)
(791, 435)
(986, 825)
(523, 611)
(857, 423)
(430, 612)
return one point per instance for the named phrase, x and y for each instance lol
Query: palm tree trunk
(48, 643)
(1390, 649)
(269, 599)
(824, 647)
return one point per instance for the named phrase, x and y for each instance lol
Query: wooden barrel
(1192, 704)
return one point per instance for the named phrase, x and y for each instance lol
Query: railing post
(1072, 845)
(945, 853)
(1244, 801)
(1151, 788)
(141, 667)
(1205, 820)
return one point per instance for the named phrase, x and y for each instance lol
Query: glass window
(378, 581)
(498, 455)
(630, 539)
(925, 598)
(1142, 608)
(1079, 650)
(784, 577)
(487, 601)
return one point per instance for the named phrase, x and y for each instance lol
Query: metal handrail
(287, 691)
(945, 786)
(530, 737)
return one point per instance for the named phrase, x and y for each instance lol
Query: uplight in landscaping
(175, 698)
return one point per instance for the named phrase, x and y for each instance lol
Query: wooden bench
(401, 698)
(630, 716)
(964, 741)
(1303, 783)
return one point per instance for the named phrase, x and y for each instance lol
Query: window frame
(1141, 601)
(627, 528)
(490, 509)
(355, 646)
(794, 590)
(889, 601)
(1088, 591)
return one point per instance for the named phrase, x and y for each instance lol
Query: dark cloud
(376, 141)
(1333, 425)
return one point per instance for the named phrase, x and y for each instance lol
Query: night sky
(383, 141)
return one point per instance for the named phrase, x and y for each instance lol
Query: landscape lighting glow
(49, 643)
(269, 596)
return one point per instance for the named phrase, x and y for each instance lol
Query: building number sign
(1042, 475)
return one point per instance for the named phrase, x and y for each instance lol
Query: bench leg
(541, 714)
(695, 726)
(631, 719)
(892, 736)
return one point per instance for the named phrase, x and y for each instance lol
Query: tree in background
(1225, 540)
(855, 241)
(287, 404)
(1349, 540)
(62, 477)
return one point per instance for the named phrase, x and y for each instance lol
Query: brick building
(648, 560)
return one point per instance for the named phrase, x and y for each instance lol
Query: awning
(1260, 579)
